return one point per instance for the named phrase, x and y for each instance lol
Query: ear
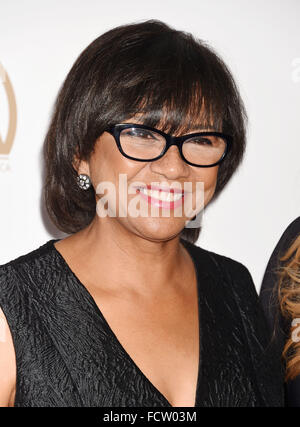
(81, 166)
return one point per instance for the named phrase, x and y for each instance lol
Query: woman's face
(107, 164)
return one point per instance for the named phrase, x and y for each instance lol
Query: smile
(164, 199)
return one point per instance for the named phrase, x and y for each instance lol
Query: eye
(200, 140)
(140, 133)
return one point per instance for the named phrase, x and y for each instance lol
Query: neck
(126, 261)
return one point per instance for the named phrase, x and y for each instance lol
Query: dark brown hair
(173, 79)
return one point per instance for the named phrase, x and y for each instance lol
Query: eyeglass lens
(146, 144)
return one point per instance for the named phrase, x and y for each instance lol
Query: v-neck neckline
(198, 273)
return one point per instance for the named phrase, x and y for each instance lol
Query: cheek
(212, 179)
(209, 177)
(108, 163)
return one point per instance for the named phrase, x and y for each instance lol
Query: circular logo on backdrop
(7, 137)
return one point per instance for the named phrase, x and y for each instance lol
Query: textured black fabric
(279, 326)
(67, 355)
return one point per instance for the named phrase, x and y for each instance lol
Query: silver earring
(83, 181)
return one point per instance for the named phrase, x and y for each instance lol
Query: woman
(280, 297)
(127, 311)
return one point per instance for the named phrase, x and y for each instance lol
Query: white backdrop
(260, 41)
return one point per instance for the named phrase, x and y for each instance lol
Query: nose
(171, 165)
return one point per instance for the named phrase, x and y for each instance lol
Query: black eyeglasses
(145, 144)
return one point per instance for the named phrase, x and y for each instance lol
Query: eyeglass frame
(117, 128)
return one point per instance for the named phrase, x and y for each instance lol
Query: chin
(159, 228)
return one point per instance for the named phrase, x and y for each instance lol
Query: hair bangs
(192, 106)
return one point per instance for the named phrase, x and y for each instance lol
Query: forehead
(165, 124)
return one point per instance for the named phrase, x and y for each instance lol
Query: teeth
(155, 194)
(162, 195)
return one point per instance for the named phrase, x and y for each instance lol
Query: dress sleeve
(278, 325)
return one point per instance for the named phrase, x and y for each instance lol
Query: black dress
(279, 326)
(67, 354)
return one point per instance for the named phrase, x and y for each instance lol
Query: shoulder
(31, 256)
(231, 279)
(20, 274)
(292, 230)
(234, 282)
(24, 281)
(284, 242)
(224, 267)
(287, 237)
(237, 284)
(268, 291)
